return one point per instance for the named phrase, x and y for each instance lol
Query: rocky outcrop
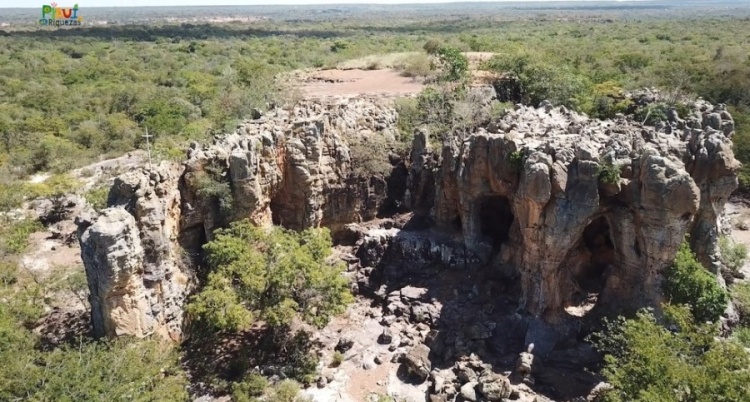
(583, 213)
(292, 168)
(138, 275)
(532, 187)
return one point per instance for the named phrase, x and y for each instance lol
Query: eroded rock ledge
(522, 195)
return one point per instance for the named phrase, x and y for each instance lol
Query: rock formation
(289, 168)
(527, 195)
(137, 273)
(530, 191)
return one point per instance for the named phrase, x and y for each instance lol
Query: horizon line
(373, 3)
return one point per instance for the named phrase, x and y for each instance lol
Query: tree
(270, 275)
(645, 361)
(454, 64)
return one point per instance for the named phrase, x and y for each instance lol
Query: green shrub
(607, 100)
(121, 370)
(408, 118)
(416, 65)
(337, 359)
(742, 335)
(77, 283)
(733, 255)
(432, 46)
(12, 195)
(652, 114)
(212, 185)
(645, 362)
(8, 273)
(285, 391)
(301, 364)
(97, 198)
(741, 299)
(632, 61)
(516, 160)
(370, 156)
(273, 276)
(339, 46)
(454, 64)
(251, 387)
(688, 282)
(541, 81)
(609, 173)
(15, 237)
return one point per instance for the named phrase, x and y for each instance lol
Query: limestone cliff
(525, 194)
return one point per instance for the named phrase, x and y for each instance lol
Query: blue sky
(138, 3)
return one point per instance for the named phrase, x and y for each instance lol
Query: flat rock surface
(359, 82)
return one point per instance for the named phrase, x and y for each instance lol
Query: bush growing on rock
(688, 282)
(286, 391)
(370, 156)
(211, 186)
(609, 173)
(270, 275)
(97, 198)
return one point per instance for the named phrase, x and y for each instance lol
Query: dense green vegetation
(679, 356)
(688, 282)
(733, 255)
(269, 275)
(70, 97)
(676, 360)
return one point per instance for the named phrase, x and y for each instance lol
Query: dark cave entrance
(591, 264)
(275, 213)
(496, 219)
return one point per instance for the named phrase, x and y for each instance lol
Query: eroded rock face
(289, 168)
(530, 190)
(292, 169)
(138, 274)
(525, 195)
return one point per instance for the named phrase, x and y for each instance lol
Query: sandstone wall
(675, 180)
(289, 168)
(524, 194)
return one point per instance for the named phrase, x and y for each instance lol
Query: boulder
(468, 391)
(494, 387)
(418, 363)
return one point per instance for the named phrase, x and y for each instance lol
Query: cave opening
(496, 219)
(276, 213)
(591, 265)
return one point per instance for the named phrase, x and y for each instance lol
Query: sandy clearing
(359, 82)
